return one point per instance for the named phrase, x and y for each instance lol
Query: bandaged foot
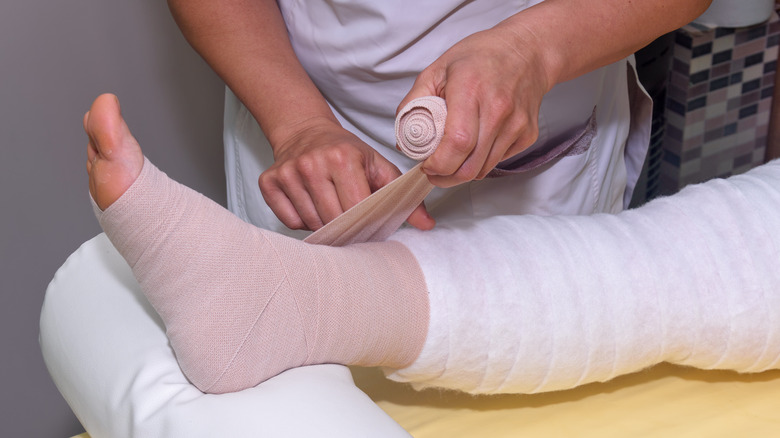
(241, 304)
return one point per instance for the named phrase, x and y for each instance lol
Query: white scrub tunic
(364, 56)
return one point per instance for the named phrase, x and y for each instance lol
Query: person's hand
(321, 171)
(493, 85)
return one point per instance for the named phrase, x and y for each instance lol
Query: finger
(381, 172)
(503, 149)
(304, 205)
(282, 207)
(486, 145)
(516, 135)
(325, 198)
(309, 186)
(351, 181)
(461, 132)
(285, 182)
(420, 219)
(351, 188)
(506, 133)
(493, 158)
(426, 84)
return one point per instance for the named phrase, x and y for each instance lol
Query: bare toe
(114, 158)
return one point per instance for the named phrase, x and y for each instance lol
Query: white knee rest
(107, 352)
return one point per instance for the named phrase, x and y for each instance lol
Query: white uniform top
(364, 56)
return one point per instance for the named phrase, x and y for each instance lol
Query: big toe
(114, 156)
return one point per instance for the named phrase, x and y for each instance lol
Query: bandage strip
(419, 128)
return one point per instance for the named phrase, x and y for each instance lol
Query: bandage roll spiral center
(420, 125)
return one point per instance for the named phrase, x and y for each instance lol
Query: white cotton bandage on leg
(531, 304)
(241, 304)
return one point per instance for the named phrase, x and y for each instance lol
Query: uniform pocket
(573, 144)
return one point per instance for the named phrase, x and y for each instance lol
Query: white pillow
(108, 354)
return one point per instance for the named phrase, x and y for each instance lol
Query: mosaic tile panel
(718, 102)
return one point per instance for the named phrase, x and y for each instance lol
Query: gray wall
(55, 57)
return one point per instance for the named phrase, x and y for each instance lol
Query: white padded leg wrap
(531, 304)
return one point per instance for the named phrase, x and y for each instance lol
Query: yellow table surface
(665, 401)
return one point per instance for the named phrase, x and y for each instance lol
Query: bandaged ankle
(241, 304)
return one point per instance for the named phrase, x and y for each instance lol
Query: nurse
(542, 94)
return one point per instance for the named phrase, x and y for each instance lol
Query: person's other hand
(323, 170)
(493, 85)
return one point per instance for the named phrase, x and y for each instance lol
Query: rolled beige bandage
(419, 128)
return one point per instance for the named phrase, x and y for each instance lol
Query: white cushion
(108, 354)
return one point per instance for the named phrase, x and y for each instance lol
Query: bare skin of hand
(494, 80)
(321, 171)
(493, 92)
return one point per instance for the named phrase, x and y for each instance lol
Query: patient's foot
(241, 304)
(114, 158)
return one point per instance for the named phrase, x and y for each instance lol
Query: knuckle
(342, 155)
(524, 130)
(285, 175)
(502, 104)
(520, 120)
(461, 140)
(529, 135)
(270, 179)
(306, 166)
(382, 176)
(264, 180)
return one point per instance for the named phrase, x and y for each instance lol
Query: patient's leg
(241, 304)
(517, 304)
(539, 304)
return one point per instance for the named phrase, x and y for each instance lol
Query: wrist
(282, 137)
(531, 44)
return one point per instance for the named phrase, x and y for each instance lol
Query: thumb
(424, 85)
(420, 218)
(381, 172)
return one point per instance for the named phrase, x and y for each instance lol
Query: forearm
(246, 43)
(580, 36)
